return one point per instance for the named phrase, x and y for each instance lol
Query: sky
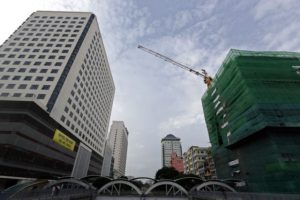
(155, 98)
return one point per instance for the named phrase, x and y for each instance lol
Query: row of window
(44, 23)
(60, 30)
(28, 95)
(36, 50)
(27, 78)
(58, 17)
(37, 63)
(31, 70)
(24, 86)
(43, 39)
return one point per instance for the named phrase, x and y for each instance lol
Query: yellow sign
(63, 140)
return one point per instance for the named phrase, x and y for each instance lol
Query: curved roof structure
(170, 137)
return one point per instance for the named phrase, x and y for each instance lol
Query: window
(42, 56)
(16, 78)
(10, 86)
(11, 69)
(16, 62)
(5, 77)
(22, 70)
(12, 55)
(37, 63)
(27, 78)
(39, 78)
(50, 78)
(21, 56)
(27, 63)
(34, 87)
(65, 51)
(2, 55)
(4, 94)
(63, 118)
(31, 56)
(16, 94)
(58, 64)
(29, 95)
(41, 96)
(51, 57)
(45, 87)
(22, 86)
(33, 70)
(48, 63)
(54, 71)
(43, 70)
(6, 62)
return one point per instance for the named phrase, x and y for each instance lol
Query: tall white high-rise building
(58, 60)
(118, 140)
(170, 144)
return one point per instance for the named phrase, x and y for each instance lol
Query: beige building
(193, 160)
(118, 141)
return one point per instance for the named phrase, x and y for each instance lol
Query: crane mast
(203, 74)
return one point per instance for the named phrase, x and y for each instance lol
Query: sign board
(63, 140)
(233, 163)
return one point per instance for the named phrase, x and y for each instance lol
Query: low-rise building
(177, 162)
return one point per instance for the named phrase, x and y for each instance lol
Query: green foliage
(167, 173)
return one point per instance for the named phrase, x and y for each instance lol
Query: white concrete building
(118, 140)
(58, 60)
(170, 144)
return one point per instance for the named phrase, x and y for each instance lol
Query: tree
(167, 173)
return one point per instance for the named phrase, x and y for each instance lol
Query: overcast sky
(155, 98)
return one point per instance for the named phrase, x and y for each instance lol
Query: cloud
(264, 8)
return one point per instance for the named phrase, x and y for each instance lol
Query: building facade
(170, 144)
(57, 61)
(177, 162)
(252, 112)
(194, 159)
(118, 140)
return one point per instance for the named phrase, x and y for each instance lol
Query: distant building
(107, 166)
(194, 159)
(170, 144)
(252, 112)
(177, 162)
(118, 141)
(209, 166)
(56, 93)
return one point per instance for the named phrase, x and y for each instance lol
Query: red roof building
(177, 162)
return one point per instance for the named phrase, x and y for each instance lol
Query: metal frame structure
(171, 189)
(114, 188)
(212, 186)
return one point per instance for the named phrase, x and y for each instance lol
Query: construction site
(252, 114)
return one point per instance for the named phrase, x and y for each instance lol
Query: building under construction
(252, 112)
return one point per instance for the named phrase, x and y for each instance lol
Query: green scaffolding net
(252, 90)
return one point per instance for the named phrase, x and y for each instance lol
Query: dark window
(27, 78)
(43, 70)
(41, 96)
(50, 78)
(34, 87)
(22, 70)
(15, 78)
(39, 78)
(45, 87)
(22, 86)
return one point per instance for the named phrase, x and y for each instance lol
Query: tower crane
(207, 79)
